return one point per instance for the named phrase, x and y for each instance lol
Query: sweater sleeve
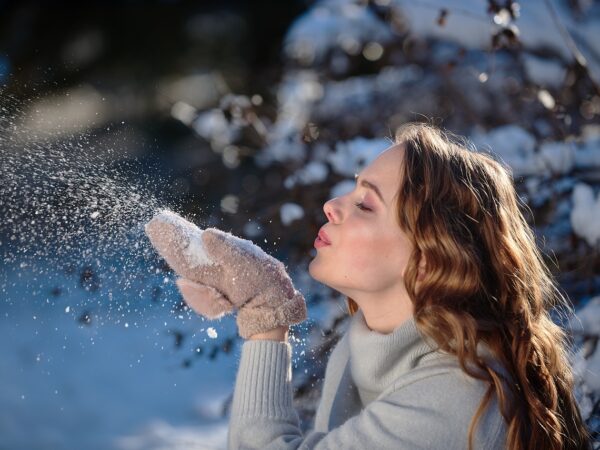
(431, 412)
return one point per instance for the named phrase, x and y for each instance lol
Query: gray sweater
(381, 391)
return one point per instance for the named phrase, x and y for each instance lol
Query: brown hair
(487, 282)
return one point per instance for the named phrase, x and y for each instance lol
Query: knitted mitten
(222, 273)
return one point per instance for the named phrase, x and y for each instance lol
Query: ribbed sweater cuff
(263, 385)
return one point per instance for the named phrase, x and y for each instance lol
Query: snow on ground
(117, 383)
(102, 370)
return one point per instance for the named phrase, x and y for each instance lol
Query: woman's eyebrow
(369, 185)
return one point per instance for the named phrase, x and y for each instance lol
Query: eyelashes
(362, 207)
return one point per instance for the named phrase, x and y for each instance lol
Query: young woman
(450, 344)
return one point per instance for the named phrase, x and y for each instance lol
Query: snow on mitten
(232, 273)
(179, 242)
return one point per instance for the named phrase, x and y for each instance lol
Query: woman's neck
(384, 318)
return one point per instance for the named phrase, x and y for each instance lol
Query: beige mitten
(222, 272)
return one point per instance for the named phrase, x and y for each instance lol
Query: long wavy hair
(486, 281)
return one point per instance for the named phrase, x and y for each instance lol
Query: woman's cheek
(363, 260)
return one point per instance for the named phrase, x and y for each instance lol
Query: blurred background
(248, 116)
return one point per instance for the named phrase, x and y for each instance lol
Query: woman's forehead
(384, 171)
(387, 162)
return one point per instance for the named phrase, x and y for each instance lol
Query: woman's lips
(320, 243)
(323, 236)
(322, 240)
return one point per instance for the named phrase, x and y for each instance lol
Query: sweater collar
(377, 360)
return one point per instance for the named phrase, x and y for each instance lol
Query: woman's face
(369, 252)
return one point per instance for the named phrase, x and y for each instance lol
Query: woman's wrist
(276, 334)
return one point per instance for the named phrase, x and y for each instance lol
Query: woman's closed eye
(362, 207)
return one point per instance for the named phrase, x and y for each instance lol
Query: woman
(450, 344)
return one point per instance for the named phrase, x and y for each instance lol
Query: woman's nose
(330, 211)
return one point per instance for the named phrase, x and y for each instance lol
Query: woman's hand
(222, 273)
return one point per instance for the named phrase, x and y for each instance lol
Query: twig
(577, 55)
(459, 11)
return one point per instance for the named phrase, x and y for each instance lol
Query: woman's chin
(312, 271)
(315, 272)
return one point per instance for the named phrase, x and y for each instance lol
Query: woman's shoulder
(446, 368)
(440, 386)
(444, 400)
(440, 369)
